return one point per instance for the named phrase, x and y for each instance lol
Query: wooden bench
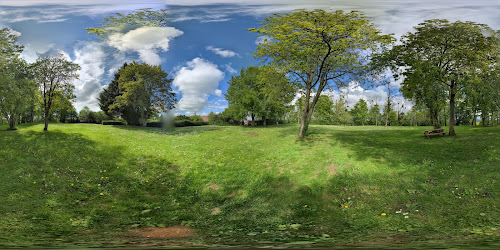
(437, 131)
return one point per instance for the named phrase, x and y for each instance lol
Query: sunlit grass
(338, 185)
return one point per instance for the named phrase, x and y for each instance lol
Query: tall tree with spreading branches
(319, 50)
(439, 60)
(55, 76)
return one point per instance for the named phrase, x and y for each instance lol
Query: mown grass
(249, 186)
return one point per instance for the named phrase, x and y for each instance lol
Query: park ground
(94, 185)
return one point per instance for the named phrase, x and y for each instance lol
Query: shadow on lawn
(63, 186)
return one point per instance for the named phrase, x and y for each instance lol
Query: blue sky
(206, 41)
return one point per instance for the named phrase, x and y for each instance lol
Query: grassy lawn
(347, 186)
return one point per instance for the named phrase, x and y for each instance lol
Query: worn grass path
(254, 186)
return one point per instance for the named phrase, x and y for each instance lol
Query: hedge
(113, 123)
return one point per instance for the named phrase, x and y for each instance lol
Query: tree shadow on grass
(63, 186)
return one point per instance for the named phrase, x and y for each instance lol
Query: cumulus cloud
(222, 52)
(353, 92)
(147, 41)
(197, 81)
(91, 57)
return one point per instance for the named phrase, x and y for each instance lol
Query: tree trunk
(435, 118)
(46, 118)
(253, 120)
(264, 121)
(452, 109)
(304, 122)
(12, 122)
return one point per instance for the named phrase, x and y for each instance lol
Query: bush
(113, 122)
(100, 117)
(189, 123)
(154, 124)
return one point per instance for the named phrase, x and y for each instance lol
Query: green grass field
(369, 186)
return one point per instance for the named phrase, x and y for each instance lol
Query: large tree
(109, 94)
(260, 92)
(55, 76)
(319, 50)
(17, 90)
(360, 112)
(324, 110)
(439, 60)
(16, 85)
(144, 89)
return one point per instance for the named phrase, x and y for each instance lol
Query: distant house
(204, 118)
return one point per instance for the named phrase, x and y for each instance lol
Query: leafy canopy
(143, 17)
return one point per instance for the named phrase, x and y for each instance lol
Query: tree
(374, 115)
(16, 84)
(260, 92)
(54, 76)
(142, 17)
(17, 90)
(9, 50)
(319, 50)
(324, 110)
(360, 112)
(86, 115)
(441, 59)
(341, 114)
(109, 94)
(144, 89)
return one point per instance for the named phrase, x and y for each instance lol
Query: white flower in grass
(405, 214)
(482, 214)
(406, 217)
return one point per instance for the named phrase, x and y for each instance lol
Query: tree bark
(46, 119)
(12, 122)
(304, 122)
(253, 120)
(435, 118)
(264, 121)
(452, 109)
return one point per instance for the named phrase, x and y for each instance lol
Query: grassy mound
(239, 185)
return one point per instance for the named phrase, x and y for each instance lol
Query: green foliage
(259, 92)
(360, 113)
(87, 116)
(140, 18)
(17, 90)
(144, 90)
(108, 94)
(439, 61)
(319, 50)
(374, 117)
(323, 112)
(9, 50)
(54, 76)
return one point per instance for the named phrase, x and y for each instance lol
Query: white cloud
(261, 39)
(392, 16)
(230, 69)
(218, 92)
(353, 92)
(147, 41)
(90, 56)
(15, 33)
(196, 82)
(222, 52)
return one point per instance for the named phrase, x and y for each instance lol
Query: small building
(204, 118)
